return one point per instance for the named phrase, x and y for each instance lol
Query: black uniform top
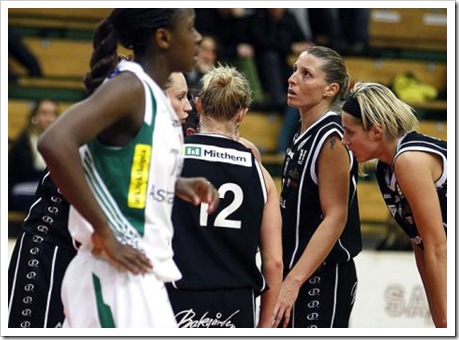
(394, 197)
(300, 204)
(47, 218)
(217, 251)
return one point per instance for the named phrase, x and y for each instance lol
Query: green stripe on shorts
(104, 311)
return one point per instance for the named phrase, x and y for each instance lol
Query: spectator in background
(276, 35)
(25, 164)
(302, 18)
(230, 27)
(346, 29)
(205, 60)
(21, 53)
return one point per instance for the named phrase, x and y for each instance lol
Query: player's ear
(241, 115)
(198, 103)
(377, 131)
(190, 131)
(162, 38)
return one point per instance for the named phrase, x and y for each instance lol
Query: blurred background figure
(276, 35)
(205, 60)
(346, 29)
(18, 51)
(25, 164)
(231, 27)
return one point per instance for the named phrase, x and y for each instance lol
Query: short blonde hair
(224, 92)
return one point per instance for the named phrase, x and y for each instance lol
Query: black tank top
(392, 194)
(217, 251)
(300, 204)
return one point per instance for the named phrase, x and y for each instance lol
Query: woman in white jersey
(116, 157)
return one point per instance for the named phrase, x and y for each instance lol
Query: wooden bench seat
(60, 18)
(408, 28)
(384, 70)
(433, 128)
(63, 59)
(262, 129)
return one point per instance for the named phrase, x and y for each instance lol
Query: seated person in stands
(25, 164)
(205, 60)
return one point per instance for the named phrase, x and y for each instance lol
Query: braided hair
(132, 28)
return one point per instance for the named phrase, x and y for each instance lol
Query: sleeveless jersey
(48, 216)
(217, 251)
(300, 204)
(135, 184)
(393, 195)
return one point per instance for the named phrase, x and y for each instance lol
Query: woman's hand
(285, 301)
(121, 256)
(197, 190)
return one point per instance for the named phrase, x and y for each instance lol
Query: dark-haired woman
(25, 164)
(117, 158)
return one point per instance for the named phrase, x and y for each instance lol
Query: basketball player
(39, 260)
(216, 252)
(320, 217)
(177, 91)
(412, 177)
(116, 157)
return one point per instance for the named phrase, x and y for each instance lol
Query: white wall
(390, 292)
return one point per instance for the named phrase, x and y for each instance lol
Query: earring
(34, 120)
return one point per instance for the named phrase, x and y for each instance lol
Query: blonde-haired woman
(216, 252)
(412, 177)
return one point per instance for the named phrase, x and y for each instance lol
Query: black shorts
(35, 275)
(221, 308)
(327, 298)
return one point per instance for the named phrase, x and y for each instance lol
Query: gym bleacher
(405, 40)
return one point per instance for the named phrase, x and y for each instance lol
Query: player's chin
(291, 101)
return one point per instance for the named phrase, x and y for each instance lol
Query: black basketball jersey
(392, 194)
(47, 218)
(217, 251)
(300, 204)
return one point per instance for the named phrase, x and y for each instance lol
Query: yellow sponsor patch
(139, 176)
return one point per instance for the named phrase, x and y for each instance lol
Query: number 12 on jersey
(221, 220)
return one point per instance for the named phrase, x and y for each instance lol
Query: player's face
(185, 42)
(358, 140)
(177, 93)
(306, 85)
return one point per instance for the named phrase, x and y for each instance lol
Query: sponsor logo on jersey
(212, 153)
(139, 176)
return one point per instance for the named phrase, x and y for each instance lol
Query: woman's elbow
(43, 145)
(273, 263)
(48, 146)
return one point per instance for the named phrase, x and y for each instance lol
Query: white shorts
(96, 294)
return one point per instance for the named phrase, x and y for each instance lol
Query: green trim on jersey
(103, 310)
(119, 178)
